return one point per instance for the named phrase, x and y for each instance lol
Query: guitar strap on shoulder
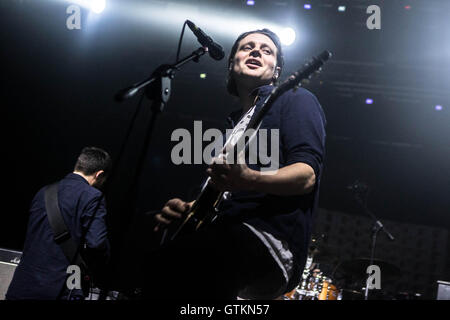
(61, 233)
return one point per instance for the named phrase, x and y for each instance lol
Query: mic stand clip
(159, 84)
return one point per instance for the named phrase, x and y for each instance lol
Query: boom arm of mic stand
(370, 214)
(383, 228)
(129, 92)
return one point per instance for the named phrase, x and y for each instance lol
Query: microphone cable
(179, 42)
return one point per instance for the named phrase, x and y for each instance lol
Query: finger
(159, 217)
(156, 228)
(218, 181)
(177, 205)
(220, 161)
(220, 168)
(222, 158)
(215, 175)
(241, 158)
(173, 203)
(168, 213)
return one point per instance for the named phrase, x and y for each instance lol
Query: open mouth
(253, 63)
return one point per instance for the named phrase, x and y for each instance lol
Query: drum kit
(325, 277)
(314, 286)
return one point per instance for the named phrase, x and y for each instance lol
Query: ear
(276, 73)
(98, 173)
(230, 64)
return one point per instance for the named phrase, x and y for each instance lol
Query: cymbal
(352, 291)
(358, 267)
(350, 294)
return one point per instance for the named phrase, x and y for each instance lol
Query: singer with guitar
(256, 248)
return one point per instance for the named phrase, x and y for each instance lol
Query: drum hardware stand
(360, 192)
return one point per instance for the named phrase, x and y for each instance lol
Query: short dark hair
(92, 160)
(231, 84)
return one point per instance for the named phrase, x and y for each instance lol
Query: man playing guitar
(256, 248)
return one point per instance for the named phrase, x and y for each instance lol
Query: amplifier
(9, 259)
(443, 290)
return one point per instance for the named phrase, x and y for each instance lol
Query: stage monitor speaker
(9, 259)
(443, 290)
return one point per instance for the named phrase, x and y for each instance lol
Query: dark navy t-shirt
(301, 123)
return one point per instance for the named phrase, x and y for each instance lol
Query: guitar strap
(61, 233)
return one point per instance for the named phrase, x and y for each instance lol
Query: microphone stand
(360, 194)
(158, 90)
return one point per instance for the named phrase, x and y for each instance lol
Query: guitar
(204, 208)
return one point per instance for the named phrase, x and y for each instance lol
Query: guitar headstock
(305, 73)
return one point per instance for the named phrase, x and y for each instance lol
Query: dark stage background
(58, 87)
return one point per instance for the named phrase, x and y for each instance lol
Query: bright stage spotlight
(341, 8)
(438, 107)
(98, 5)
(369, 101)
(287, 36)
(230, 23)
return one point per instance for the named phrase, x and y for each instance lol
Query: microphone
(215, 50)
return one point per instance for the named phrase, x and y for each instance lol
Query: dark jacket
(41, 273)
(301, 123)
